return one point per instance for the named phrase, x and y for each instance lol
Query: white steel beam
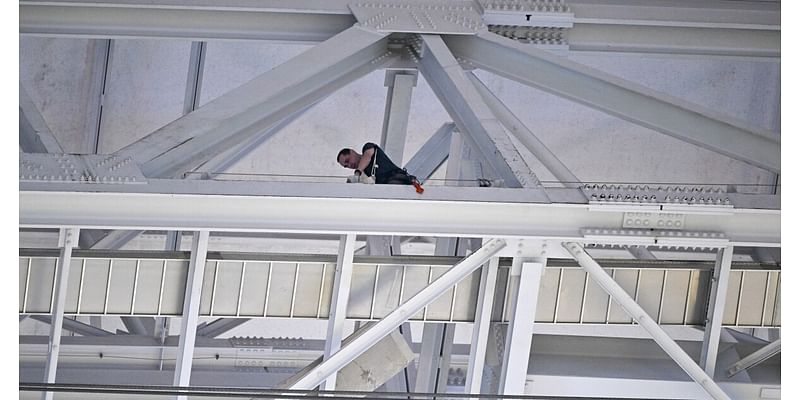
(241, 20)
(340, 295)
(34, 134)
(633, 309)
(524, 286)
(220, 326)
(391, 321)
(471, 114)
(683, 40)
(262, 102)
(338, 209)
(430, 355)
(194, 77)
(480, 329)
(67, 239)
(432, 154)
(224, 161)
(741, 29)
(680, 13)
(72, 326)
(134, 325)
(102, 51)
(627, 100)
(191, 308)
(716, 309)
(550, 386)
(458, 162)
(191, 100)
(525, 135)
(754, 358)
(114, 240)
(641, 253)
(398, 105)
(220, 163)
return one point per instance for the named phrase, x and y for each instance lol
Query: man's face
(349, 160)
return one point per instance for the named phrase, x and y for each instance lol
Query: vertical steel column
(339, 299)
(640, 315)
(67, 239)
(398, 106)
(437, 338)
(480, 329)
(191, 308)
(452, 174)
(101, 51)
(391, 321)
(194, 78)
(716, 309)
(524, 284)
(430, 357)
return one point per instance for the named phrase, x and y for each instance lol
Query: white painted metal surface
(627, 100)
(471, 114)
(480, 329)
(191, 308)
(716, 307)
(339, 298)
(481, 213)
(62, 64)
(525, 280)
(402, 313)
(68, 238)
(635, 311)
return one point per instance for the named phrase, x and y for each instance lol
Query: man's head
(348, 158)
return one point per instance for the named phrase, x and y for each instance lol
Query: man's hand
(363, 178)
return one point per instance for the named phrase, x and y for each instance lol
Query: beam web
(398, 106)
(716, 309)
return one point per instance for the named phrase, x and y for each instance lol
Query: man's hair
(342, 152)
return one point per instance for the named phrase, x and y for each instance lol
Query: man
(373, 162)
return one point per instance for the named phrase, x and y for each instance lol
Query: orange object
(418, 187)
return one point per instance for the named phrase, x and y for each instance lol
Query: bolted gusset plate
(528, 13)
(652, 237)
(454, 17)
(656, 194)
(653, 220)
(86, 168)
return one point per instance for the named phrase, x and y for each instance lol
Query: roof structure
(601, 213)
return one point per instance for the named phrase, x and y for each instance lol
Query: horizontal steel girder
(748, 29)
(334, 208)
(235, 20)
(624, 99)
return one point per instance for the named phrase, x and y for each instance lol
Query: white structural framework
(674, 286)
